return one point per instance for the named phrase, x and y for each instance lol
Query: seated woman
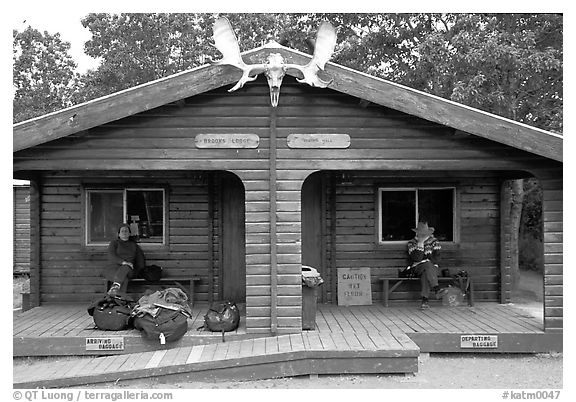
(424, 254)
(125, 260)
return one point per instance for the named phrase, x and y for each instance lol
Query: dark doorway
(312, 222)
(233, 271)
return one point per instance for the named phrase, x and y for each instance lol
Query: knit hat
(423, 230)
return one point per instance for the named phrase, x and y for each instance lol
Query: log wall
(353, 242)
(21, 230)
(159, 145)
(72, 271)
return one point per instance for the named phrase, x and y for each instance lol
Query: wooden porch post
(211, 237)
(505, 238)
(35, 241)
(552, 211)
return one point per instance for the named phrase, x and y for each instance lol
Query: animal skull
(275, 68)
(275, 71)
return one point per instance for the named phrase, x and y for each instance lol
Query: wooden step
(251, 359)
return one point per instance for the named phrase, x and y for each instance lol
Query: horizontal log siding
(163, 139)
(21, 222)
(72, 272)
(387, 141)
(477, 214)
(552, 209)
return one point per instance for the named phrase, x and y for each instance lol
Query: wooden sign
(478, 341)
(318, 140)
(103, 344)
(227, 141)
(354, 288)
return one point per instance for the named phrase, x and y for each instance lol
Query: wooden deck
(355, 339)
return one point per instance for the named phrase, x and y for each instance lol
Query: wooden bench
(169, 281)
(387, 289)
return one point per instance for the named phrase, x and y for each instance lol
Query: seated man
(125, 260)
(424, 254)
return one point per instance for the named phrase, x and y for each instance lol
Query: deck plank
(296, 342)
(208, 352)
(195, 354)
(29, 318)
(233, 350)
(221, 351)
(366, 319)
(486, 323)
(327, 341)
(380, 341)
(246, 347)
(365, 341)
(519, 317)
(381, 320)
(333, 325)
(37, 325)
(438, 320)
(340, 341)
(271, 345)
(314, 340)
(157, 357)
(169, 357)
(259, 347)
(457, 320)
(284, 344)
(352, 341)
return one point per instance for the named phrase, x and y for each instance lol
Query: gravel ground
(435, 371)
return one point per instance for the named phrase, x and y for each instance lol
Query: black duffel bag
(166, 326)
(112, 313)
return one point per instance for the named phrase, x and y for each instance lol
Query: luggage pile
(161, 316)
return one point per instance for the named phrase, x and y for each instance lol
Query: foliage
(44, 77)
(508, 64)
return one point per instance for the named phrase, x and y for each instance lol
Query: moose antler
(227, 43)
(323, 50)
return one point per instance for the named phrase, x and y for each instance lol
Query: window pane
(145, 213)
(436, 207)
(105, 215)
(398, 214)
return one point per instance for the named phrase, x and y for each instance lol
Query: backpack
(166, 326)
(151, 273)
(222, 317)
(112, 313)
(452, 297)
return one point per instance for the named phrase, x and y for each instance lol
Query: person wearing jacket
(125, 260)
(424, 255)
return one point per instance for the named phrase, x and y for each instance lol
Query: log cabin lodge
(239, 194)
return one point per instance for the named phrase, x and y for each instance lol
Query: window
(400, 209)
(143, 209)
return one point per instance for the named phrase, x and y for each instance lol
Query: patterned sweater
(430, 251)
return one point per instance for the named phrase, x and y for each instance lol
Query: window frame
(455, 208)
(124, 190)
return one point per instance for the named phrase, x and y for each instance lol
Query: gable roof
(355, 83)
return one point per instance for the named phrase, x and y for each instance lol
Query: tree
(43, 74)
(138, 48)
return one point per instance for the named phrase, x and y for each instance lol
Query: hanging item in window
(142, 209)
